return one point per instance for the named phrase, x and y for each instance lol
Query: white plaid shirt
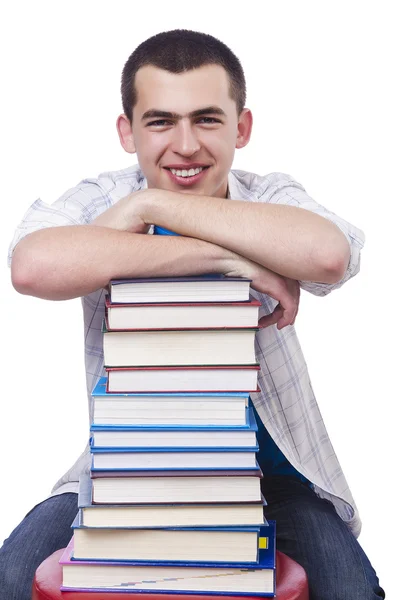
(286, 402)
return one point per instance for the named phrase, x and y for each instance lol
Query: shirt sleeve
(78, 206)
(282, 189)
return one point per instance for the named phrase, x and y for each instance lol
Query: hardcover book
(183, 379)
(164, 515)
(190, 315)
(174, 458)
(179, 347)
(204, 288)
(188, 436)
(205, 409)
(164, 545)
(231, 579)
(189, 487)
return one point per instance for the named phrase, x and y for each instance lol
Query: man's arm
(59, 263)
(292, 242)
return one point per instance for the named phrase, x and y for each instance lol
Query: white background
(320, 84)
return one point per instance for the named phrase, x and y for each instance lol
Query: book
(183, 379)
(204, 288)
(179, 347)
(174, 458)
(188, 436)
(97, 473)
(236, 579)
(187, 544)
(185, 487)
(218, 409)
(173, 315)
(164, 515)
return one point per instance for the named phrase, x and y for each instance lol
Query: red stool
(291, 582)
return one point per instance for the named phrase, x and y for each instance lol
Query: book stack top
(173, 502)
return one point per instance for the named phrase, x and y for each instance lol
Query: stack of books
(173, 503)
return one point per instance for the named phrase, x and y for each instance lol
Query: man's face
(185, 129)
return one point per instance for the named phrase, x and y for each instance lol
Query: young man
(184, 114)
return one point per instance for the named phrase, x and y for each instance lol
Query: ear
(124, 129)
(244, 128)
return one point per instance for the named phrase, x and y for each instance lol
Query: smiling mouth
(186, 173)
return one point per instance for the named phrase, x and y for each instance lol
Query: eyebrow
(153, 113)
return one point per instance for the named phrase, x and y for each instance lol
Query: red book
(231, 378)
(181, 315)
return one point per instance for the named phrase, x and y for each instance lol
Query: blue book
(167, 437)
(163, 231)
(142, 516)
(175, 459)
(202, 578)
(249, 425)
(171, 545)
(159, 409)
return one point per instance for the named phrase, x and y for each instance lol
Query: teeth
(184, 173)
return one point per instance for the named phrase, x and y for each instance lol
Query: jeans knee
(15, 580)
(356, 587)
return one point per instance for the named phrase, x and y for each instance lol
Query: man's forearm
(290, 241)
(60, 263)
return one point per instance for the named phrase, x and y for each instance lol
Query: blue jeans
(45, 528)
(308, 530)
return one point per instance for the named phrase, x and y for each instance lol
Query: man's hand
(124, 215)
(286, 291)
(127, 215)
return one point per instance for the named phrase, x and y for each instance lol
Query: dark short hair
(178, 51)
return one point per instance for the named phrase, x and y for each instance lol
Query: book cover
(251, 302)
(85, 496)
(174, 449)
(100, 392)
(159, 330)
(187, 546)
(190, 459)
(179, 347)
(266, 555)
(250, 425)
(166, 514)
(234, 378)
(160, 583)
(194, 315)
(192, 473)
(206, 288)
(212, 277)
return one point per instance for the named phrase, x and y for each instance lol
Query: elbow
(27, 271)
(19, 280)
(21, 274)
(336, 262)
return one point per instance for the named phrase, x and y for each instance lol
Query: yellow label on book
(263, 543)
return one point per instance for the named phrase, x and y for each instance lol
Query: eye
(209, 120)
(159, 123)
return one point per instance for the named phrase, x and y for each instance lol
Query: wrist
(230, 262)
(147, 205)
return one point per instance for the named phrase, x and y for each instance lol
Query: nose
(185, 140)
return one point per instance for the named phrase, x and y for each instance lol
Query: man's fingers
(271, 319)
(289, 304)
(284, 314)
